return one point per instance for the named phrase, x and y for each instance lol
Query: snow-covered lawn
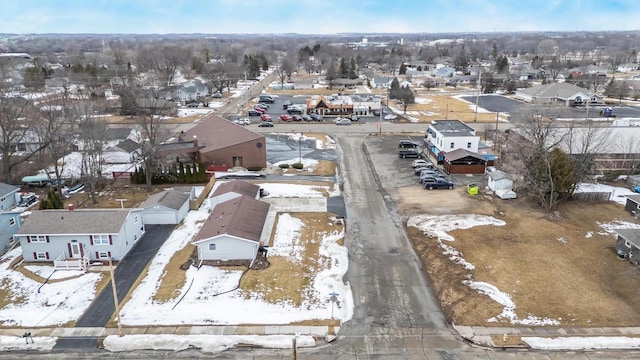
(208, 295)
(44, 271)
(583, 343)
(206, 343)
(16, 343)
(280, 190)
(54, 304)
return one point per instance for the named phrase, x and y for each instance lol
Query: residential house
(218, 141)
(304, 83)
(166, 207)
(449, 135)
(565, 93)
(633, 204)
(125, 152)
(190, 91)
(381, 82)
(444, 71)
(343, 83)
(233, 231)
(501, 184)
(365, 105)
(10, 220)
(337, 105)
(232, 189)
(628, 244)
(74, 238)
(462, 161)
(26, 141)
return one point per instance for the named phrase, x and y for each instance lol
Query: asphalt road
(126, 273)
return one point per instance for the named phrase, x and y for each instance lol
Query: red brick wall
(253, 155)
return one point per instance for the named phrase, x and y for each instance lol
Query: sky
(314, 16)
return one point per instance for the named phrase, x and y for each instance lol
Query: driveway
(126, 274)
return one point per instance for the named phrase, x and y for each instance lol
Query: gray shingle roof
(499, 175)
(632, 235)
(239, 187)
(6, 189)
(243, 217)
(58, 222)
(554, 90)
(214, 133)
(634, 198)
(171, 199)
(452, 128)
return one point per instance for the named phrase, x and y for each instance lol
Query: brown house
(221, 142)
(462, 161)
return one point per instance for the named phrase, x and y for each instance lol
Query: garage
(166, 207)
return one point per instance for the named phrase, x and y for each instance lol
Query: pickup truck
(436, 183)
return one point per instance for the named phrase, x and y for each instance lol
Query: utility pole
(380, 118)
(475, 116)
(495, 138)
(115, 296)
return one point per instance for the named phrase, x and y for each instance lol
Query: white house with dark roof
(191, 90)
(166, 207)
(449, 135)
(233, 231)
(566, 93)
(74, 238)
(10, 220)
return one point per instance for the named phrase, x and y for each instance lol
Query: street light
(300, 147)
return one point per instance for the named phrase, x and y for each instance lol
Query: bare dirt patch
(563, 268)
(288, 281)
(413, 200)
(435, 106)
(174, 278)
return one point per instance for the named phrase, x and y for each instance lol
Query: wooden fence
(592, 196)
(195, 204)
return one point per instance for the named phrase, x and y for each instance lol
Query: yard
(500, 263)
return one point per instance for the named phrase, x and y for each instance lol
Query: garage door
(161, 217)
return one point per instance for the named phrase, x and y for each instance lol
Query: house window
(38, 238)
(103, 255)
(452, 145)
(12, 221)
(135, 237)
(101, 239)
(22, 147)
(135, 219)
(237, 161)
(212, 247)
(468, 145)
(627, 244)
(41, 256)
(3, 198)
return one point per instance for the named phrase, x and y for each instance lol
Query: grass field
(563, 268)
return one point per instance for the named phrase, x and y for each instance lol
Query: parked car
(376, 112)
(261, 106)
(193, 105)
(286, 104)
(437, 183)
(296, 117)
(420, 162)
(27, 199)
(264, 105)
(285, 117)
(407, 144)
(343, 121)
(216, 95)
(242, 121)
(409, 153)
(254, 112)
(354, 118)
(390, 117)
(259, 109)
(294, 110)
(267, 99)
(307, 118)
(75, 189)
(429, 173)
(420, 169)
(265, 117)
(316, 117)
(266, 124)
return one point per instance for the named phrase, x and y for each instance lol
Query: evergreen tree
(352, 69)
(403, 69)
(343, 70)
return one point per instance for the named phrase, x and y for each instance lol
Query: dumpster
(472, 189)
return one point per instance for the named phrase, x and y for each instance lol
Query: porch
(62, 263)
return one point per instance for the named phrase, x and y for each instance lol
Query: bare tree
(163, 61)
(92, 137)
(284, 71)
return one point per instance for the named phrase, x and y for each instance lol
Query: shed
(166, 207)
(501, 184)
(628, 244)
(462, 161)
(233, 230)
(633, 204)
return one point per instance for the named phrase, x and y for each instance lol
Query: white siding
(227, 247)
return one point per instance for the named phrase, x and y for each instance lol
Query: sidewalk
(516, 337)
(315, 331)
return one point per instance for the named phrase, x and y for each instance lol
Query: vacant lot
(434, 105)
(563, 268)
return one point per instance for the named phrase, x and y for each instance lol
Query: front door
(75, 250)
(237, 161)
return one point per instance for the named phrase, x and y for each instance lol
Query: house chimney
(70, 207)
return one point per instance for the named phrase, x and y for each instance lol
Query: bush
(254, 168)
(284, 166)
(297, 166)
